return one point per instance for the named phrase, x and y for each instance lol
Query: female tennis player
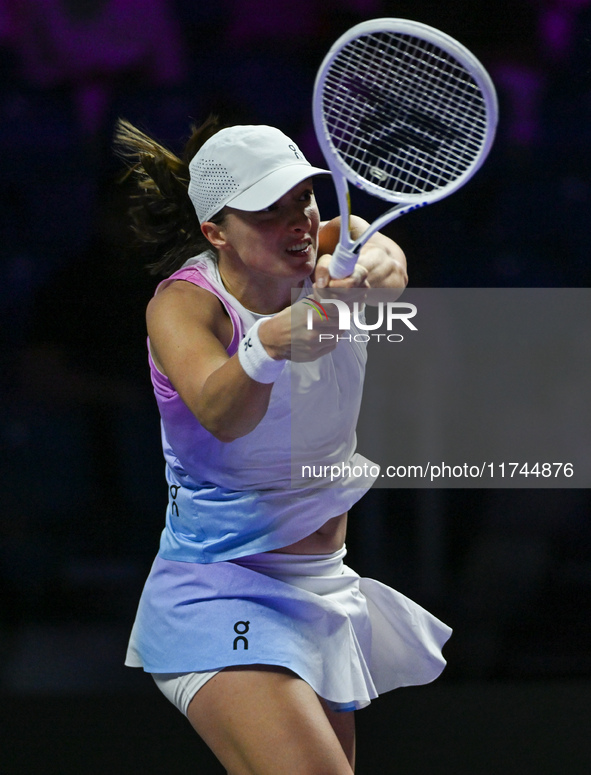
(250, 622)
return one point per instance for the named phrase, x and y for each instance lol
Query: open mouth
(301, 249)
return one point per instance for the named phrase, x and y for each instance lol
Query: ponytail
(162, 214)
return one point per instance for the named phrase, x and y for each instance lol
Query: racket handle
(342, 262)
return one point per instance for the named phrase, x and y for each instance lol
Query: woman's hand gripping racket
(404, 112)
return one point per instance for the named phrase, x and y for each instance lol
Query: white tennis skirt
(349, 638)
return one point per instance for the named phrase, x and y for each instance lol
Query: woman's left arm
(381, 260)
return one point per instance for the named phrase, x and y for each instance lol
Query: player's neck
(257, 292)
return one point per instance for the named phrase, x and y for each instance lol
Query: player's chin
(302, 262)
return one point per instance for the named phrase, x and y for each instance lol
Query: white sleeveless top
(233, 499)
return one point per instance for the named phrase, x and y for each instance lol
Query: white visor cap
(246, 167)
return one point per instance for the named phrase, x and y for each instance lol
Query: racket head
(403, 111)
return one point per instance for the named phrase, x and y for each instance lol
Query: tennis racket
(403, 112)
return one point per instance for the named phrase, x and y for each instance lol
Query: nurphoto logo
(388, 312)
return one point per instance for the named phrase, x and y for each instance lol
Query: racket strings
(403, 113)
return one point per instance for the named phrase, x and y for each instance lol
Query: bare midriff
(328, 539)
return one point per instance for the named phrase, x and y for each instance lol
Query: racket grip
(342, 262)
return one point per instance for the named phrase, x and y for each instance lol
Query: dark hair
(162, 214)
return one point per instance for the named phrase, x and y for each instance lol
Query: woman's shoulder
(200, 271)
(190, 289)
(184, 301)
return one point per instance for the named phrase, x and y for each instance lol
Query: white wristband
(255, 360)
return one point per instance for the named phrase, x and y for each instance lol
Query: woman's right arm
(189, 332)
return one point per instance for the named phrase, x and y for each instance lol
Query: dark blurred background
(82, 488)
